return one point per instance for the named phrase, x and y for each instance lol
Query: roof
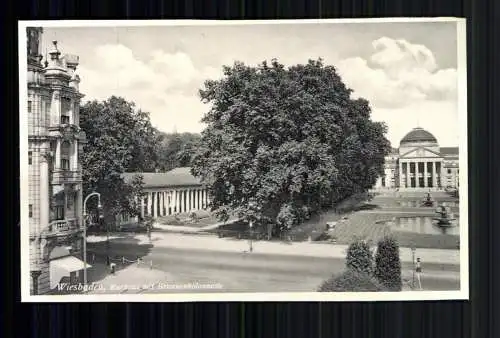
(450, 151)
(178, 177)
(418, 135)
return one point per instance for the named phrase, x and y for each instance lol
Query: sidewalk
(309, 249)
(190, 229)
(132, 279)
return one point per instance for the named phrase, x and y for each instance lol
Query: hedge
(359, 257)
(388, 264)
(351, 281)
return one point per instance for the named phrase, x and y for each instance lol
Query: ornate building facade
(55, 176)
(420, 163)
(173, 192)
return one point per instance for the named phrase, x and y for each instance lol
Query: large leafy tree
(282, 143)
(120, 138)
(176, 150)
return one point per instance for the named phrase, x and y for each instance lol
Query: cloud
(397, 74)
(164, 84)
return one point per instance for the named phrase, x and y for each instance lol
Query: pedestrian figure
(418, 270)
(112, 267)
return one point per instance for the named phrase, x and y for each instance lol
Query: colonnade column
(142, 206)
(400, 171)
(174, 202)
(155, 204)
(150, 197)
(434, 177)
(181, 201)
(162, 203)
(425, 175)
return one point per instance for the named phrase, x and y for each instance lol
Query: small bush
(351, 281)
(359, 257)
(388, 264)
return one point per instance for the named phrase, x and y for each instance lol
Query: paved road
(255, 272)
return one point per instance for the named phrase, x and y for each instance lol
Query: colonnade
(173, 201)
(420, 174)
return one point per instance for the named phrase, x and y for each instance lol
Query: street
(244, 271)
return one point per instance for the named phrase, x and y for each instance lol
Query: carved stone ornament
(46, 156)
(69, 132)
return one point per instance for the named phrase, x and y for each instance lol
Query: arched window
(65, 155)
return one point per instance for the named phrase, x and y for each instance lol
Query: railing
(66, 176)
(63, 225)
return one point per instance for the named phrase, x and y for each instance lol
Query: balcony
(66, 176)
(63, 229)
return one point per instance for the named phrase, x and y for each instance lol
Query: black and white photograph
(191, 160)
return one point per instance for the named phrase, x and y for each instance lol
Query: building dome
(418, 135)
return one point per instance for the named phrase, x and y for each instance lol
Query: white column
(44, 203)
(75, 155)
(415, 172)
(58, 155)
(150, 196)
(55, 108)
(190, 199)
(164, 205)
(160, 198)
(174, 202)
(197, 199)
(142, 206)
(178, 201)
(155, 205)
(425, 175)
(434, 181)
(400, 171)
(181, 201)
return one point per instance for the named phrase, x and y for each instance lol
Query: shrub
(351, 281)
(388, 264)
(359, 257)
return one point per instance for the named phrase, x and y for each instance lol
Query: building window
(30, 157)
(31, 210)
(29, 106)
(64, 119)
(449, 171)
(65, 155)
(64, 164)
(59, 212)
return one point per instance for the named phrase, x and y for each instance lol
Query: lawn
(350, 224)
(204, 218)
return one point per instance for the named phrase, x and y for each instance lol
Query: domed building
(420, 163)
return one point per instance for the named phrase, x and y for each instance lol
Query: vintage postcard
(175, 161)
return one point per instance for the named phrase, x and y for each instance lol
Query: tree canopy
(120, 139)
(282, 143)
(176, 150)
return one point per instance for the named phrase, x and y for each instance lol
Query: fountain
(428, 202)
(444, 220)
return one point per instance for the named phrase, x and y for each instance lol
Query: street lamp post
(251, 236)
(85, 215)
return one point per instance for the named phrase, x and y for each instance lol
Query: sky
(408, 71)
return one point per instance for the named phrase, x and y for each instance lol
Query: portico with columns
(420, 163)
(164, 194)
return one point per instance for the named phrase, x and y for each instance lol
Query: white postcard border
(462, 294)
